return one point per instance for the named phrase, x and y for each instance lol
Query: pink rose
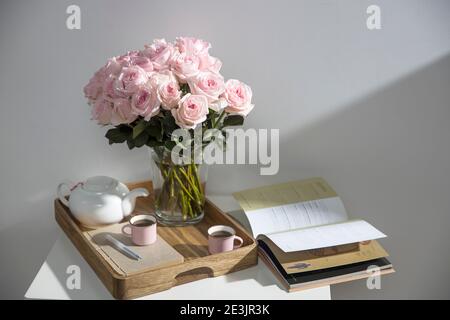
(156, 78)
(184, 65)
(142, 62)
(145, 103)
(112, 67)
(208, 63)
(109, 91)
(133, 53)
(192, 110)
(130, 79)
(238, 96)
(169, 94)
(122, 112)
(209, 84)
(159, 53)
(102, 111)
(123, 60)
(199, 48)
(168, 89)
(93, 89)
(192, 46)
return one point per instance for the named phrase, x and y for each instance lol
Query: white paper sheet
(297, 215)
(325, 236)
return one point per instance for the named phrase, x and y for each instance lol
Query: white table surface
(253, 283)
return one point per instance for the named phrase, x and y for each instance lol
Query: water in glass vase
(179, 189)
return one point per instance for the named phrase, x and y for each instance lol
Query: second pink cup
(221, 239)
(142, 229)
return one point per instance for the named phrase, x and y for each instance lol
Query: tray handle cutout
(193, 275)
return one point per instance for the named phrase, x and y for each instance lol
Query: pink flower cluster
(141, 83)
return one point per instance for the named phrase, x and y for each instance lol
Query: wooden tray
(198, 263)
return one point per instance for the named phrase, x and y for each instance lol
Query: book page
(325, 236)
(284, 193)
(291, 205)
(296, 215)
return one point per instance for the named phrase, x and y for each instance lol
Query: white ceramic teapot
(99, 200)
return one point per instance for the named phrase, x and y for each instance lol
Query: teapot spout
(129, 201)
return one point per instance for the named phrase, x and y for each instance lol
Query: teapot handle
(61, 195)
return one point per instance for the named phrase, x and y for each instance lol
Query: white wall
(367, 110)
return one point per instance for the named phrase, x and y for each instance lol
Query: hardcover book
(306, 237)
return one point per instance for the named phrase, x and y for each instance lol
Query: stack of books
(307, 239)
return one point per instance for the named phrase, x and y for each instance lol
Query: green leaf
(169, 125)
(141, 139)
(139, 128)
(116, 135)
(233, 120)
(209, 118)
(130, 143)
(151, 142)
(185, 88)
(154, 130)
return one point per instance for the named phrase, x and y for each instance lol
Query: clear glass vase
(179, 190)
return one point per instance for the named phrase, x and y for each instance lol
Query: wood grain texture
(189, 241)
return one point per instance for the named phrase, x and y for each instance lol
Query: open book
(302, 226)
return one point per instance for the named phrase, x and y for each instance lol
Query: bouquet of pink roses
(147, 94)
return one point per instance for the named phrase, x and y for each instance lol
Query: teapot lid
(100, 184)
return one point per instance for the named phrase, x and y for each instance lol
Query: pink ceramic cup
(141, 235)
(217, 244)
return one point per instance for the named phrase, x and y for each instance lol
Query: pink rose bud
(191, 111)
(238, 96)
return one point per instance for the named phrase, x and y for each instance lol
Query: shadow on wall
(388, 156)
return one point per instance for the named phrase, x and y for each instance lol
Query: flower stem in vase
(181, 195)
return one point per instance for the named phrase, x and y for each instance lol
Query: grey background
(367, 110)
